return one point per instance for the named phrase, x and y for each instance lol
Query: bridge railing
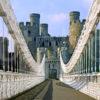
(13, 83)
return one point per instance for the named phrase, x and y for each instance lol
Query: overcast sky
(53, 12)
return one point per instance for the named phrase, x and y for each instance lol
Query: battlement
(28, 24)
(74, 16)
(35, 15)
(21, 24)
(44, 25)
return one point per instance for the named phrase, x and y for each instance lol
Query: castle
(40, 42)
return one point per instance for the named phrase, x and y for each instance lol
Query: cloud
(59, 17)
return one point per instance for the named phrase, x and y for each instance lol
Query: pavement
(64, 92)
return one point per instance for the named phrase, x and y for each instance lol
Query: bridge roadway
(52, 90)
(64, 92)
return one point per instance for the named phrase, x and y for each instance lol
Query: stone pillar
(94, 69)
(88, 56)
(92, 58)
(97, 49)
(86, 59)
(82, 62)
(77, 67)
(80, 66)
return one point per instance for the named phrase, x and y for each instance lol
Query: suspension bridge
(79, 78)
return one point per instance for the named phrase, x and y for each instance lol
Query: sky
(53, 12)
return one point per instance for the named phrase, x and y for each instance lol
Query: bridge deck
(64, 92)
(55, 91)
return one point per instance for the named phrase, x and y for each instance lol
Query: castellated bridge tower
(75, 28)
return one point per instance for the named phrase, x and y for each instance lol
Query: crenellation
(28, 24)
(21, 24)
(74, 16)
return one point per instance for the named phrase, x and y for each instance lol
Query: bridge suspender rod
(3, 46)
(8, 57)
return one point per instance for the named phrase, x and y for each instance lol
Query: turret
(74, 16)
(44, 29)
(34, 18)
(35, 23)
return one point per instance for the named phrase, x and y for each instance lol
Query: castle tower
(74, 28)
(35, 23)
(44, 29)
